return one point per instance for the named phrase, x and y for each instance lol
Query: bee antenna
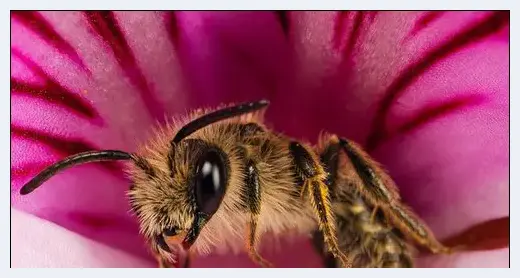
(80, 158)
(218, 115)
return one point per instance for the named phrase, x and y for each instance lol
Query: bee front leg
(314, 179)
(165, 263)
(254, 201)
(318, 244)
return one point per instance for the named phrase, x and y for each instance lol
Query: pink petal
(446, 141)
(426, 92)
(39, 243)
(488, 259)
(63, 106)
(288, 253)
(444, 137)
(233, 56)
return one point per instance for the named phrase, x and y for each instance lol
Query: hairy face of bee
(175, 199)
(177, 185)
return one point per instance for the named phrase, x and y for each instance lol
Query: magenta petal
(233, 56)
(61, 106)
(427, 93)
(488, 259)
(447, 143)
(444, 134)
(301, 254)
(39, 243)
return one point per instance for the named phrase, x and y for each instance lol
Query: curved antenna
(81, 158)
(219, 115)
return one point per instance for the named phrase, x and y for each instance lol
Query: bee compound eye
(210, 183)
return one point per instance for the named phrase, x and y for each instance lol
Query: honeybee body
(282, 209)
(225, 180)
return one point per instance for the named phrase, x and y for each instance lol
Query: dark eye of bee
(210, 182)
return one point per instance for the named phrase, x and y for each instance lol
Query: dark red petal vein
(372, 15)
(52, 91)
(481, 30)
(63, 147)
(172, 27)
(436, 111)
(488, 235)
(28, 169)
(424, 21)
(106, 26)
(41, 27)
(354, 35)
(54, 95)
(101, 221)
(340, 29)
(283, 18)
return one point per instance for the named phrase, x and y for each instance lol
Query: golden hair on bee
(217, 180)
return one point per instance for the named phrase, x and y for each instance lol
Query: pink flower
(425, 93)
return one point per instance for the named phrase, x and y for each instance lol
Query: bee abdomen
(369, 239)
(387, 250)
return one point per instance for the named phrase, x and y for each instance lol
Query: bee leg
(253, 200)
(303, 191)
(379, 188)
(252, 239)
(314, 179)
(326, 257)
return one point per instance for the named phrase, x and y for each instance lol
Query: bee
(218, 180)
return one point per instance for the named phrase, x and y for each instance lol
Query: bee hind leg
(375, 185)
(314, 177)
(326, 257)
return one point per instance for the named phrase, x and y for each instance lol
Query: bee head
(174, 203)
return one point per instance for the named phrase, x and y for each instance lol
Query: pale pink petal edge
(38, 243)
